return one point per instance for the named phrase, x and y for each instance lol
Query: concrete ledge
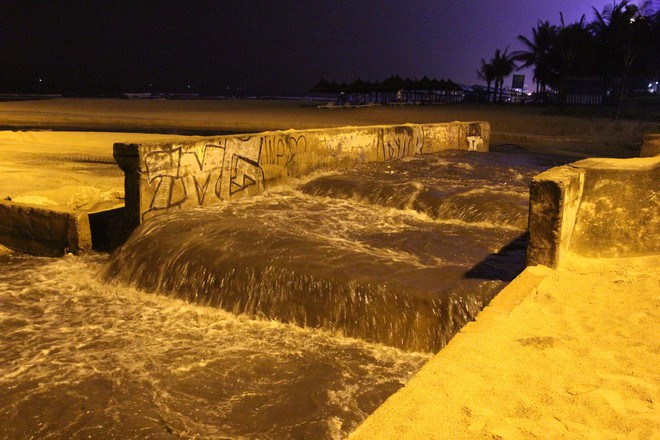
(650, 145)
(43, 231)
(554, 200)
(565, 354)
(619, 214)
(597, 208)
(417, 410)
(184, 174)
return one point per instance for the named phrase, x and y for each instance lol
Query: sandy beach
(515, 124)
(564, 354)
(72, 170)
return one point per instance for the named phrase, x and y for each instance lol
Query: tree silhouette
(487, 73)
(621, 30)
(620, 44)
(539, 54)
(503, 65)
(570, 43)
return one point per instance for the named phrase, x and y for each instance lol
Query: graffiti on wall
(205, 173)
(400, 142)
(474, 139)
(192, 175)
(282, 150)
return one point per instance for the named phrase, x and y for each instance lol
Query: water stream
(381, 252)
(293, 314)
(82, 358)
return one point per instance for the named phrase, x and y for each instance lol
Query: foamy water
(401, 253)
(376, 273)
(82, 358)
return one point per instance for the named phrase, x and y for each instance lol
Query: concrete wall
(554, 200)
(620, 210)
(183, 174)
(43, 231)
(596, 208)
(650, 145)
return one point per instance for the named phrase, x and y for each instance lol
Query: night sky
(256, 46)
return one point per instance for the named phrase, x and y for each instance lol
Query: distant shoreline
(532, 127)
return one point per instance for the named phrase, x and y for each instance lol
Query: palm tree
(622, 30)
(503, 65)
(487, 73)
(570, 42)
(651, 63)
(538, 53)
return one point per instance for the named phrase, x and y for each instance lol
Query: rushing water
(382, 252)
(401, 253)
(81, 358)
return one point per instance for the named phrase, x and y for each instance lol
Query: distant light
(41, 80)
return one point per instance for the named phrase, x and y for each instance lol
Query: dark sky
(260, 46)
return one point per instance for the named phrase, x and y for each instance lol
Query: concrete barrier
(650, 145)
(554, 200)
(596, 208)
(620, 210)
(43, 231)
(183, 174)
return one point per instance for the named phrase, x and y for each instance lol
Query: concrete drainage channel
(54, 232)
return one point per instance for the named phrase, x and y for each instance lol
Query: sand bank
(562, 354)
(71, 170)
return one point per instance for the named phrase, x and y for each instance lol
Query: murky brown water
(82, 358)
(399, 254)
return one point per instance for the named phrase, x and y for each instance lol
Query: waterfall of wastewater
(326, 296)
(382, 252)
